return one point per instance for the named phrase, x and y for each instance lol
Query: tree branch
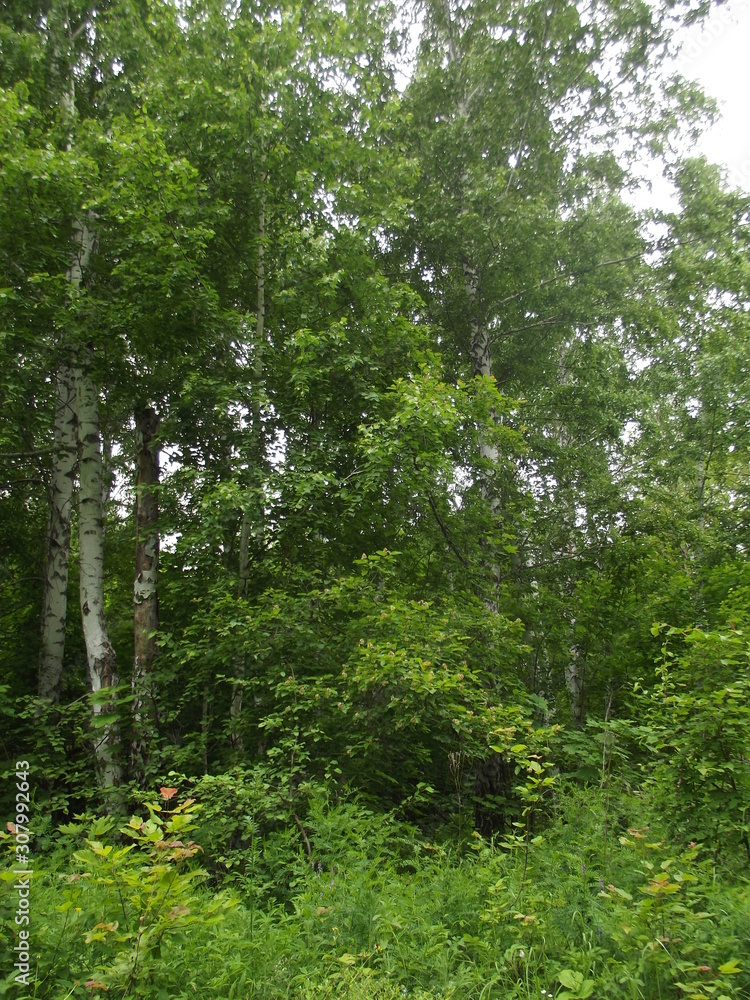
(445, 532)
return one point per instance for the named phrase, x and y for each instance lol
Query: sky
(717, 55)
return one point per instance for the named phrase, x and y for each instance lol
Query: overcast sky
(718, 56)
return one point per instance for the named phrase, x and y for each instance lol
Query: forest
(374, 505)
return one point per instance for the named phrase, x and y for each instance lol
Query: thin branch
(574, 275)
(549, 321)
(301, 829)
(36, 453)
(445, 532)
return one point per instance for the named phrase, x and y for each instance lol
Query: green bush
(600, 903)
(696, 730)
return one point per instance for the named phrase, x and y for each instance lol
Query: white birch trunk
(481, 365)
(55, 595)
(481, 350)
(575, 682)
(62, 486)
(102, 665)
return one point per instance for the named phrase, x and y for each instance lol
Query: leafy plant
(697, 729)
(125, 905)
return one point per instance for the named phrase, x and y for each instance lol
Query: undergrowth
(353, 904)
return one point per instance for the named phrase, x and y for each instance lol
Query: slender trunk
(257, 451)
(481, 349)
(235, 705)
(62, 477)
(697, 569)
(102, 664)
(62, 487)
(244, 556)
(207, 715)
(575, 681)
(107, 477)
(83, 398)
(145, 592)
(481, 357)
(481, 365)
(55, 596)
(575, 667)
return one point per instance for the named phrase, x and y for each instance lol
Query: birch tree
(519, 242)
(67, 383)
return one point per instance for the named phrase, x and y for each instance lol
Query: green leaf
(731, 968)
(570, 980)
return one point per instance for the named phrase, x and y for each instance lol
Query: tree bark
(102, 663)
(481, 349)
(62, 484)
(481, 366)
(145, 587)
(62, 487)
(235, 705)
(64, 452)
(575, 682)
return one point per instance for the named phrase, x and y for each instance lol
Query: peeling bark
(62, 484)
(145, 586)
(102, 664)
(62, 488)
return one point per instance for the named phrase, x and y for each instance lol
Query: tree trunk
(102, 665)
(55, 596)
(575, 682)
(145, 592)
(235, 705)
(257, 452)
(481, 365)
(62, 487)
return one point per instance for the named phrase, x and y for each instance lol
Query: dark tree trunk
(145, 592)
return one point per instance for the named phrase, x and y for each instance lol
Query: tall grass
(599, 905)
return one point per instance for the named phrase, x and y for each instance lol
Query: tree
(145, 589)
(530, 264)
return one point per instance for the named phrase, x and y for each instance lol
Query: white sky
(717, 55)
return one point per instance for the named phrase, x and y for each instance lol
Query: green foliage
(332, 670)
(696, 726)
(387, 577)
(117, 911)
(600, 904)
(663, 929)
(58, 739)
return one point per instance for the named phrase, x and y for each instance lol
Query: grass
(597, 908)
